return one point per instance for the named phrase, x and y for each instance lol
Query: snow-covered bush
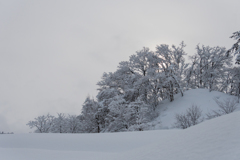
(190, 118)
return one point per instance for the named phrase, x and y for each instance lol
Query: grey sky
(52, 53)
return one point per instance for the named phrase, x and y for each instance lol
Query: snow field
(215, 139)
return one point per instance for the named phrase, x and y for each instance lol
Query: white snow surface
(215, 139)
(200, 97)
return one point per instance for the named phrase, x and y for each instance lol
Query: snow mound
(200, 97)
(216, 139)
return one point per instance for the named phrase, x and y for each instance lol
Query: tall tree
(236, 46)
(88, 119)
(169, 60)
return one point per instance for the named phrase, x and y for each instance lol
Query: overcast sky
(52, 53)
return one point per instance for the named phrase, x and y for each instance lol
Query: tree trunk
(171, 91)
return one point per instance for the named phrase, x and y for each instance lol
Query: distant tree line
(127, 99)
(6, 132)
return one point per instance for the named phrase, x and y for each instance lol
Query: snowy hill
(200, 97)
(215, 139)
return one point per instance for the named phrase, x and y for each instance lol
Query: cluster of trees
(60, 124)
(128, 98)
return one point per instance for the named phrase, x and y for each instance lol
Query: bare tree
(183, 121)
(226, 106)
(194, 114)
(42, 123)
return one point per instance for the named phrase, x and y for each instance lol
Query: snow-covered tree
(141, 113)
(116, 120)
(60, 124)
(169, 60)
(88, 119)
(235, 72)
(209, 68)
(236, 46)
(42, 123)
(73, 124)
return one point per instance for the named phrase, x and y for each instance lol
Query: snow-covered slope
(200, 97)
(215, 139)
